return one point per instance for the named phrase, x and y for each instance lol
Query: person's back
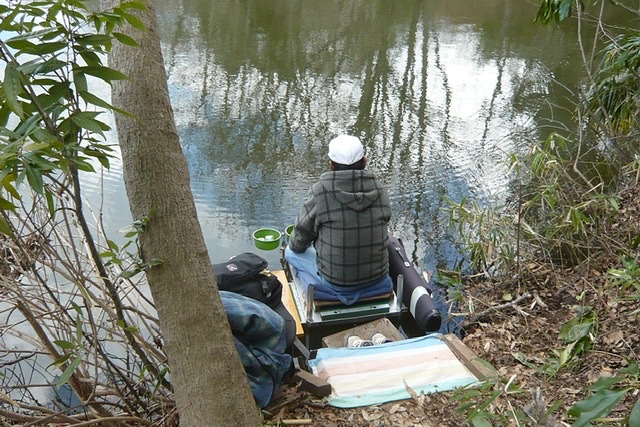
(346, 218)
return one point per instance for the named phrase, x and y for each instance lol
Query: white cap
(346, 149)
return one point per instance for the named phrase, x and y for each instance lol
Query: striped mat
(377, 374)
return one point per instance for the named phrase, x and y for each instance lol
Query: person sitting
(340, 239)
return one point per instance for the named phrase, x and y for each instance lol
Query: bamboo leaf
(595, 406)
(5, 112)
(481, 421)
(634, 417)
(64, 378)
(7, 23)
(51, 204)
(78, 328)
(66, 345)
(5, 228)
(7, 184)
(12, 88)
(34, 177)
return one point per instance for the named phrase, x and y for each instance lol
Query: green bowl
(287, 233)
(266, 238)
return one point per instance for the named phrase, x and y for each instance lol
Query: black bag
(246, 274)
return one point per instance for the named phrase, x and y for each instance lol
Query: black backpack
(246, 274)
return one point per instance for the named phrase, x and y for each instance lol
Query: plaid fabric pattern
(346, 216)
(259, 335)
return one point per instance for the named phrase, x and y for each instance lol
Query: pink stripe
(380, 362)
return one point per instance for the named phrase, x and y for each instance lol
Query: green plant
(613, 97)
(487, 235)
(129, 263)
(489, 404)
(555, 10)
(567, 207)
(626, 278)
(65, 283)
(605, 394)
(578, 334)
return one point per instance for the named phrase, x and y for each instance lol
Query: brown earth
(517, 339)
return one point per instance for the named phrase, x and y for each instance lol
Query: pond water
(441, 93)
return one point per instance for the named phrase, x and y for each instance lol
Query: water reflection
(440, 92)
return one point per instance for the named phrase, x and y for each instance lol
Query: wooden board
(289, 303)
(383, 325)
(481, 369)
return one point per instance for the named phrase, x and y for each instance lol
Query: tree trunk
(208, 378)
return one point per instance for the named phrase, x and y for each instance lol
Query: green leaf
(85, 294)
(481, 421)
(34, 176)
(68, 372)
(49, 66)
(93, 40)
(595, 406)
(5, 112)
(99, 102)
(7, 183)
(51, 204)
(40, 49)
(91, 58)
(64, 344)
(632, 369)
(61, 360)
(86, 120)
(523, 359)
(564, 9)
(125, 39)
(134, 21)
(5, 228)
(83, 166)
(6, 205)
(8, 22)
(634, 417)
(12, 88)
(79, 328)
(80, 80)
(575, 329)
(128, 274)
(113, 245)
(104, 73)
(133, 5)
(605, 383)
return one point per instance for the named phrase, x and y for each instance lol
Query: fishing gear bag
(416, 295)
(247, 274)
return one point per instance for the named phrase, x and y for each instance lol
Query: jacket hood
(355, 189)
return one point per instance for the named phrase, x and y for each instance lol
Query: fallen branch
(475, 317)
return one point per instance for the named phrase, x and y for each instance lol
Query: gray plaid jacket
(346, 216)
